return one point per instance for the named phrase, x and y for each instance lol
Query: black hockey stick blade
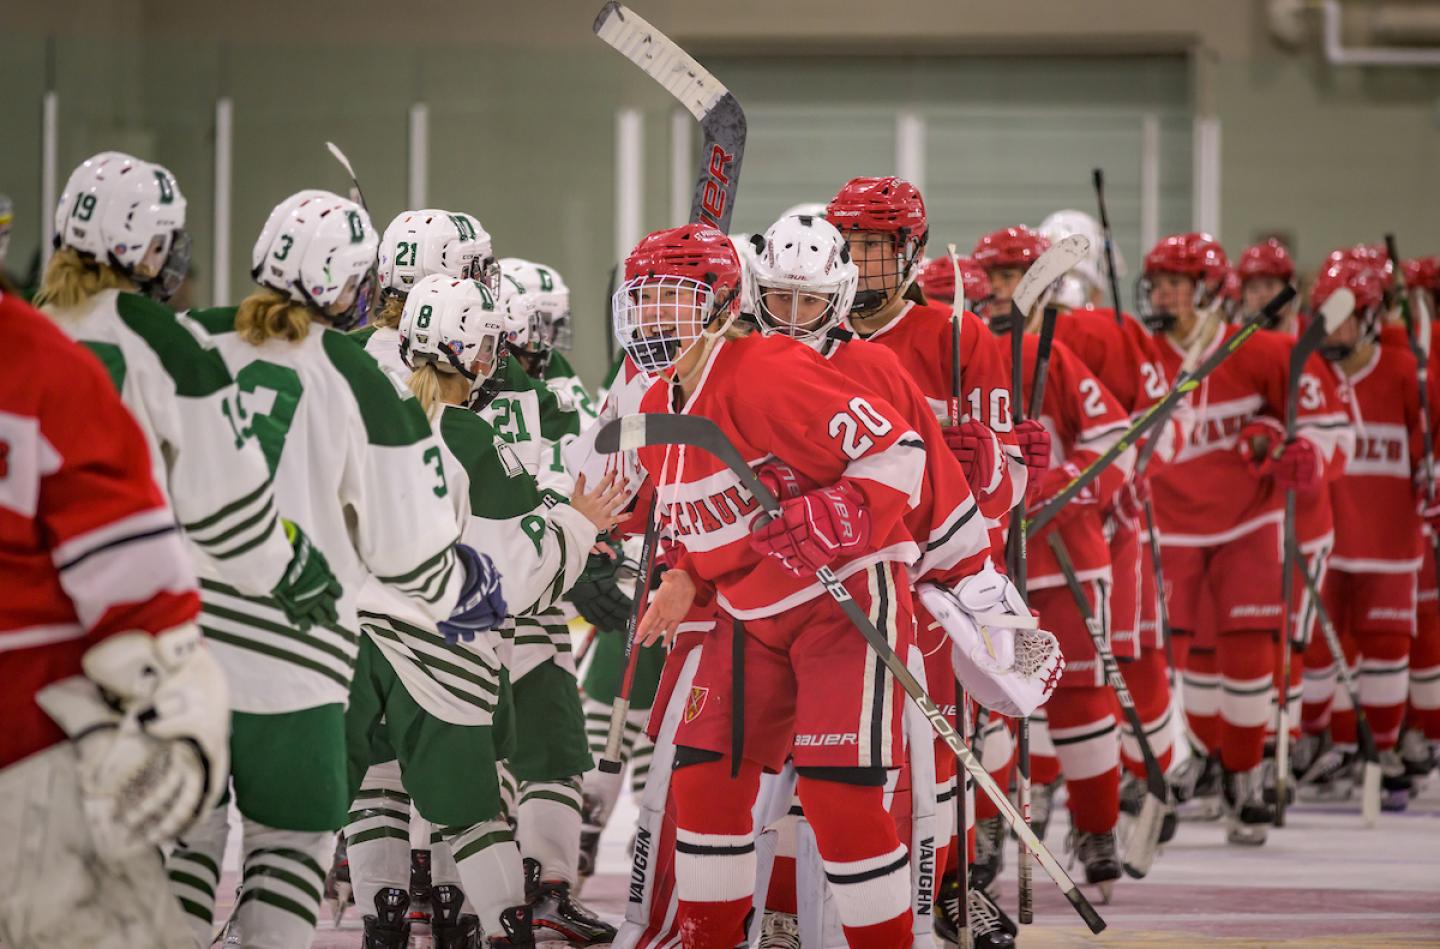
(1158, 412)
(721, 119)
(1042, 360)
(635, 431)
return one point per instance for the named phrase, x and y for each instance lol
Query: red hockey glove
(783, 481)
(1052, 482)
(1034, 442)
(1296, 468)
(973, 445)
(1258, 439)
(1130, 503)
(814, 529)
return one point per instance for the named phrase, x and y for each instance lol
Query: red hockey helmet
(1366, 283)
(1422, 273)
(1009, 247)
(937, 279)
(1268, 259)
(1195, 255)
(890, 207)
(1375, 255)
(1230, 295)
(676, 282)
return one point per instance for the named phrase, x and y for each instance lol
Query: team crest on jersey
(695, 703)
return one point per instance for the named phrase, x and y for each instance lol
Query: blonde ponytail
(391, 310)
(268, 314)
(425, 383)
(71, 279)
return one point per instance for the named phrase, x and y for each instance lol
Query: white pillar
(224, 154)
(1207, 175)
(910, 147)
(419, 184)
(1149, 181)
(629, 178)
(49, 171)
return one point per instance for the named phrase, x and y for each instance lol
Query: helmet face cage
(657, 318)
(1206, 295)
(485, 270)
(780, 307)
(172, 272)
(561, 333)
(897, 269)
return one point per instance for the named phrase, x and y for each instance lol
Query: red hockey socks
(867, 867)
(715, 851)
(1082, 726)
(1384, 683)
(1247, 672)
(1148, 680)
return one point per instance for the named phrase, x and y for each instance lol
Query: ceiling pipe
(1337, 54)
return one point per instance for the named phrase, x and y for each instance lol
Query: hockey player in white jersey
(121, 227)
(414, 246)
(352, 455)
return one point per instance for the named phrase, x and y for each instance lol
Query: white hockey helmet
(744, 245)
(803, 272)
(1089, 275)
(318, 248)
(430, 241)
(457, 325)
(806, 209)
(537, 306)
(130, 214)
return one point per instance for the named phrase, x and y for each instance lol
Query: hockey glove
(597, 595)
(814, 529)
(1297, 467)
(481, 605)
(1034, 441)
(784, 481)
(1130, 503)
(1052, 482)
(151, 722)
(1257, 440)
(308, 591)
(973, 445)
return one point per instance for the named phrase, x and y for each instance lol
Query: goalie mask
(804, 279)
(1198, 258)
(318, 248)
(884, 221)
(1005, 662)
(420, 243)
(537, 310)
(681, 284)
(128, 213)
(457, 326)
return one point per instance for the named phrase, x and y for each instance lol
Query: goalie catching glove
(150, 719)
(1005, 662)
(815, 529)
(597, 596)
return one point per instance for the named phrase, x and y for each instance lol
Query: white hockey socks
(549, 827)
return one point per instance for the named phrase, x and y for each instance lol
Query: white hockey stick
(356, 194)
(1049, 267)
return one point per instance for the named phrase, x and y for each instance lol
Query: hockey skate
(450, 927)
(1395, 783)
(779, 931)
(1247, 816)
(1418, 755)
(420, 886)
(1097, 854)
(1306, 752)
(339, 895)
(1269, 771)
(519, 931)
(1195, 788)
(1332, 777)
(990, 928)
(388, 928)
(989, 853)
(555, 910)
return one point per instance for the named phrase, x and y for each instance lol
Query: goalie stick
(1158, 412)
(1332, 312)
(1145, 833)
(634, 431)
(1364, 735)
(721, 119)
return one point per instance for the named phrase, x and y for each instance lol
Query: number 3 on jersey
(846, 426)
(269, 395)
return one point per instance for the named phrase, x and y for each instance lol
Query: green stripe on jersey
(215, 319)
(363, 334)
(495, 492)
(392, 418)
(192, 364)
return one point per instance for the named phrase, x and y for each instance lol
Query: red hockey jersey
(1208, 494)
(88, 547)
(775, 399)
(1377, 529)
(921, 337)
(1084, 421)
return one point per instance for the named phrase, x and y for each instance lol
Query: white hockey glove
(1004, 661)
(151, 721)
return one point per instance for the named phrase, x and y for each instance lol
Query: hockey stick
(634, 431)
(1417, 331)
(1158, 412)
(1364, 735)
(1334, 310)
(356, 194)
(1042, 360)
(1145, 835)
(1099, 176)
(721, 119)
(610, 762)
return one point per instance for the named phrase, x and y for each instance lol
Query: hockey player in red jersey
(1085, 420)
(809, 680)
(804, 283)
(97, 640)
(1369, 591)
(1264, 270)
(884, 221)
(1219, 506)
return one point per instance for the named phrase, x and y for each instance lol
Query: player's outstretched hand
(668, 606)
(602, 506)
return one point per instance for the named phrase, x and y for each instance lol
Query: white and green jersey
(179, 390)
(356, 465)
(383, 343)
